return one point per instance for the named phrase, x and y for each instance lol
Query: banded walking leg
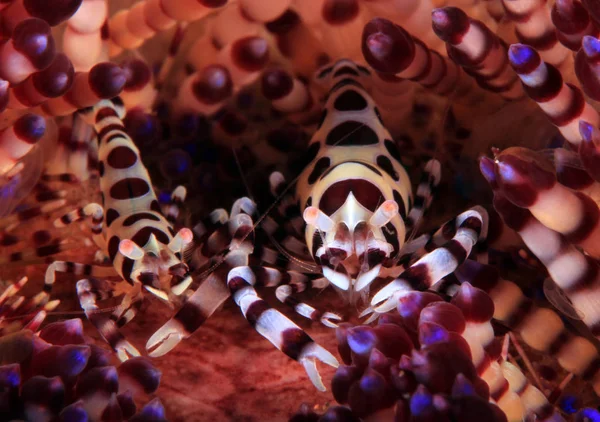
(93, 211)
(172, 209)
(215, 234)
(25, 191)
(430, 179)
(241, 226)
(243, 205)
(286, 292)
(276, 255)
(275, 327)
(90, 292)
(435, 265)
(199, 306)
(289, 283)
(448, 230)
(77, 269)
(128, 308)
(211, 293)
(235, 235)
(284, 230)
(286, 219)
(200, 252)
(412, 250)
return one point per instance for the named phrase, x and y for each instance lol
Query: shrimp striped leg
(173, 208)
(89, 293)
(221, 233)
(45, 193)
(212, 292)
(60, 177)
(445, 233)
(289, 283)
(425, 191)
(276, 327)
(286, 216)
(92, 211)
(75, 268)
(286, 295)
(205, 232)
(428, 242)
(284, 226)
(194, 312)
(432, 267)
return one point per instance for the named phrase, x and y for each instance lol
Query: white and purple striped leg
(46, 244)
(243, 205)
(172, 210)
(221, 232)
(286, 219)
(93, 211)
(199, 252)
(241, 226)
(89, 293)
(286, 295)
(212, 291)
(127, 309)
(199, 306)
(430, 179)
(77, 269)
(435, 265)
(448, 230)
(413, 250)
(288, 284)
(284, 230)
(277, 328)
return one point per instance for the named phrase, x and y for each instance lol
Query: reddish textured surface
(227, 371)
